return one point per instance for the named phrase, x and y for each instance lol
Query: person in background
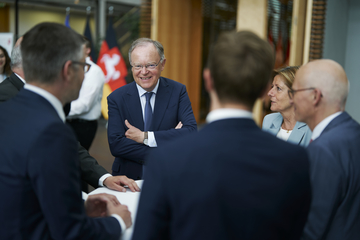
(283, 123)
(230, 180)
(86, 110)
(146, 113)
(319, 96)
(5, 60)
(38, 156)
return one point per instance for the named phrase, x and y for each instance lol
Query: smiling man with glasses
(319, 96)
(146, 113)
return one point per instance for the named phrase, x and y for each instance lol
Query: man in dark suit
(39, 176)
(319, 94)
(136, 124)
(230, 180)
(91, 172)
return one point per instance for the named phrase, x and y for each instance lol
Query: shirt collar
(143, 91)
(48, 96)
(225, 113)
(322, 125)
(20, 78)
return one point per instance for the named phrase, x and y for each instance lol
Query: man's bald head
(320, 90)
(329, 77)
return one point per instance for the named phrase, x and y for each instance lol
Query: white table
(131, 199)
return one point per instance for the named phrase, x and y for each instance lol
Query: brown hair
(241, 64)
(288, 74)
(7, 69)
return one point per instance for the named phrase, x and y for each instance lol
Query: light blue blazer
(300, 135)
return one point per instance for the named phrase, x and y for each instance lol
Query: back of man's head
(45, 49)
(241, 65)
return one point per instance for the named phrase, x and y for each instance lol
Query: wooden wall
(178, 26)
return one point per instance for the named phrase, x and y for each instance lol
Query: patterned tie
(148, 112)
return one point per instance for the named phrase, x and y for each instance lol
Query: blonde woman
(283, 123)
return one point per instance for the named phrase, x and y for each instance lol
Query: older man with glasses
(146, 113)
(319, 96)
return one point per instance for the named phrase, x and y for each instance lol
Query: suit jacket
(335, 178)
(91, 171)
(300, 135)
(172, 105)
(41, 190)
(229, 181)
(10, 87)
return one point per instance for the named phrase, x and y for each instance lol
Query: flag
(113, 66)
(67, 22)
(87, 34)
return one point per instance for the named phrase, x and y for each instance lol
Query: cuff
(151, 140)
(102, 179)
(121, 222)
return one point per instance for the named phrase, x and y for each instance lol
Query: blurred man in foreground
(42, 197)
(231, 180)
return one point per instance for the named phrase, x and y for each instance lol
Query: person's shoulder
(270, 118)
(122, 90)
(168, 81)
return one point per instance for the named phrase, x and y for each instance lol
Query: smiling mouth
(145, 78)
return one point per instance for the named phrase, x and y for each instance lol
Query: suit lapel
(161, 102)
(276, 124)
(133, 105)
(16, 81)
(297, 134)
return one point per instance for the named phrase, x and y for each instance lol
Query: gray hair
(16, 59)
(144, 41)
(46, 48)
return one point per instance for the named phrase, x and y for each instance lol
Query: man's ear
(66, 71)
(208, 81)
(163, 64)
(317, 96)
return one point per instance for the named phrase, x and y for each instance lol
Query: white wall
(29, 17)
(342, 44)
(352, 59)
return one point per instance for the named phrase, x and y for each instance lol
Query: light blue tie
(148, 112)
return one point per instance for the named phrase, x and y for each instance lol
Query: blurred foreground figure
(231, 180)
(39, 174)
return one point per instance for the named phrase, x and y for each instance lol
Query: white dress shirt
(322, 125)
(59, 109)
(151, 136)
(226, 113)
(88, 104)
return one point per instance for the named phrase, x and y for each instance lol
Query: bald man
(319, 95)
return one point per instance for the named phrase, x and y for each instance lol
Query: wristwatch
(145, 138)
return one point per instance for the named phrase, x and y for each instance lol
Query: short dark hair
(45, 49)
(241, 64)
(7, 68)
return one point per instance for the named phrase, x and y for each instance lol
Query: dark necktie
(148, 112)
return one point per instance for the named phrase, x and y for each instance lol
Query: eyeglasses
(86, 65)
(292, 91)
(147, 66)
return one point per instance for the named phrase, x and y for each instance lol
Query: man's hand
(122, 211)
(118, 182)
(96, 205)
(134, 133)
(179, 125)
